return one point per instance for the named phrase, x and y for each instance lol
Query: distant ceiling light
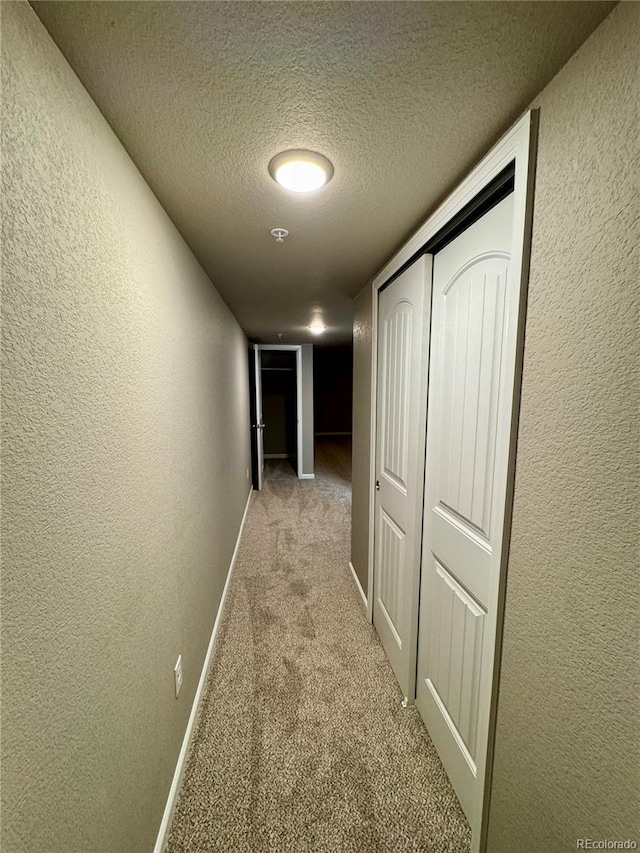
(279, 234)
(317, 328)
(301, 171)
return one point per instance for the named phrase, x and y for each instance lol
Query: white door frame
(517, 146)
(258, 425)
(297, 348)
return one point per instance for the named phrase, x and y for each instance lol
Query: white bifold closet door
(403, 327)
(473, 352)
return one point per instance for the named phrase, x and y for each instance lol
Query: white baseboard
(163, 832)
(359, 585)
(306, 476)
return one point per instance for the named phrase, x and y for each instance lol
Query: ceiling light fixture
(317, 328)
(301, 171)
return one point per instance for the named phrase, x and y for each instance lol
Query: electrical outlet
(177, 674)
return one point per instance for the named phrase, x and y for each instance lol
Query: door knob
(377, 485)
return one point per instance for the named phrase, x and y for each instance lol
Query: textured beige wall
(360, 475)
(125, 447)
(566, 762)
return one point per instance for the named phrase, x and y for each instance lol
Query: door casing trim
(297, 348)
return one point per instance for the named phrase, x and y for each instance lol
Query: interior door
(403, 328)
(258, 424)
(474, 339)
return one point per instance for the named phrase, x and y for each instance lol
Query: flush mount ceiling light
(317, 328)
(301, 171)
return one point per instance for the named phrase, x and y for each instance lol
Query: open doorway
(282, 410)
(279, 407)
(333, 404)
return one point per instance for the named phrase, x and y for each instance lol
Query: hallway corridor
(301, 742)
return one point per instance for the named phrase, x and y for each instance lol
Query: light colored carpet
(301, 743)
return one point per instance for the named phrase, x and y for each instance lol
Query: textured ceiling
(403, 97)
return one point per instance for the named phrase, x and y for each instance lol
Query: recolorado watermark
(604, 844)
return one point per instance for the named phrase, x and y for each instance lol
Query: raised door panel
(455, 651)
(391, 586)
(469, 373)
(396, 356)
